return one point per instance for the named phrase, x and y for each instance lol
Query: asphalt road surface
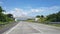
(32, 28)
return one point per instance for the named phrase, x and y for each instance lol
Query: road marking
(11, 29)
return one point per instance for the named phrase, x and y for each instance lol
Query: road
(32, 28)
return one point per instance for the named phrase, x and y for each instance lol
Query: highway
(32, 28)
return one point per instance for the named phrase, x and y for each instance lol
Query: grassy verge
(3, 24)
(57, 25)
(7, 26)
(30, 20)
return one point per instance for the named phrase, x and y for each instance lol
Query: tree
(1, 10)
(4, 17)
(54, 17)
(10, 15)
(42, 16)
(37, 16)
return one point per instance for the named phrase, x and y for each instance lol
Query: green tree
(10, 15)
(1, 10)
(37, 16)
(4, 17)
(54, 17)
(42, 16)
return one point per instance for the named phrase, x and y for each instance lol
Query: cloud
(18, 12)
(46, 9)
(37, 10)
(34, 10)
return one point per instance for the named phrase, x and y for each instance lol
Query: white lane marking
(35, 27)
(11, 29)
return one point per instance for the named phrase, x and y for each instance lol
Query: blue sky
(30, 7)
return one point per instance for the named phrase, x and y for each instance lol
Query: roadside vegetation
(5, 18)
(51, 19)
(30, 20)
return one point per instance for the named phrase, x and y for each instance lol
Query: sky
(26, 8)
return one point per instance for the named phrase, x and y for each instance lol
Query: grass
(3, 24)
(57, 25)
(30, 20)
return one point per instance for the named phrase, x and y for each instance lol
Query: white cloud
(46, 9)
(17, 12)
(34, 10)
